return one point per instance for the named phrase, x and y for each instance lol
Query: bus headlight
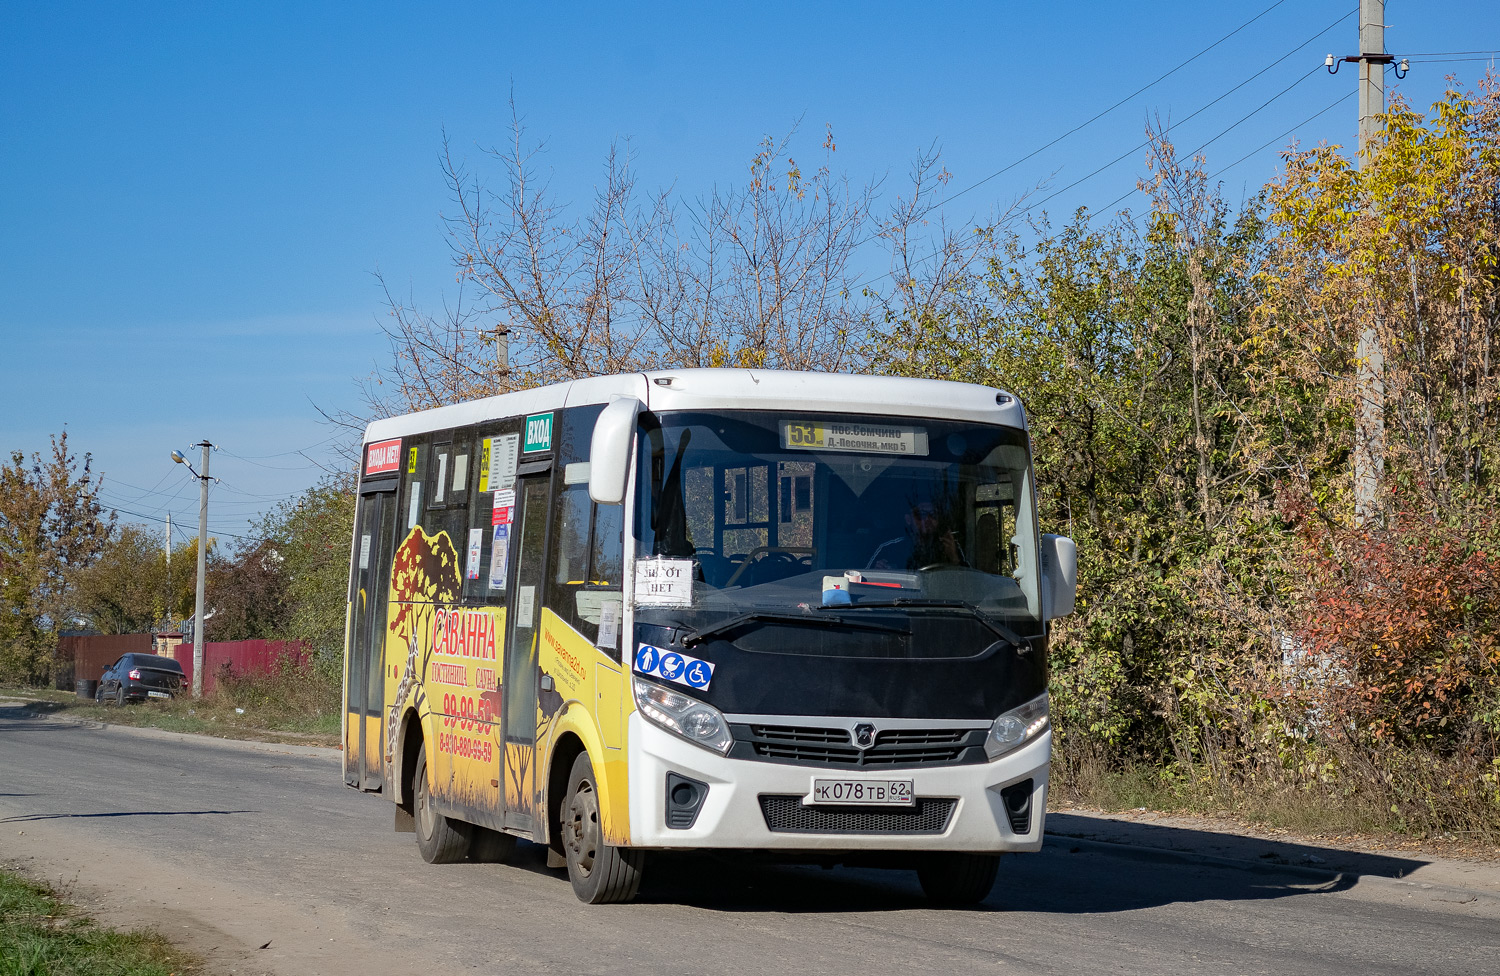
(1017, 727)
(689, 718)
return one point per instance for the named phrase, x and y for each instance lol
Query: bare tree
(763, 274)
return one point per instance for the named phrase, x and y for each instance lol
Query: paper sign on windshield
(864, 438)
(663, 582)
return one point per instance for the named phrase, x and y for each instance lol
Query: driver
(924, 543)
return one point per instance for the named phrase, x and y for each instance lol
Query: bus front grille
(786, 814)
(823, 746)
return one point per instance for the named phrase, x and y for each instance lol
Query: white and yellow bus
(732, 609)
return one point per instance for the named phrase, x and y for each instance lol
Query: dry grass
(1399, 795)
(295, 703)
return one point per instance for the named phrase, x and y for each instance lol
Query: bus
(799, 614)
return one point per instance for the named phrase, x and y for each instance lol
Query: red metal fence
(87, 657)
(222, 658)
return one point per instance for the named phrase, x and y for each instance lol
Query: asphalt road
(227, 847)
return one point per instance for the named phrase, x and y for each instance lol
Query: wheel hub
(581, 836)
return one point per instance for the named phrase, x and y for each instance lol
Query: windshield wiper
(919, 603)
(802, 619)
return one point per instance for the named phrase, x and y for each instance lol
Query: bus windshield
(795, 511)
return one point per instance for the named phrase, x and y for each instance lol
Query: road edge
(1131, 851)
(147, 732)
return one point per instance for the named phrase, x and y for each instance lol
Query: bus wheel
(957, 879)
(599, 871)
(441, 840)
(491, 846)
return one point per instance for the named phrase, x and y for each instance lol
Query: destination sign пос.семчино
(864, 438)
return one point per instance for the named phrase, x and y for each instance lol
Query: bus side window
(492, 509)
(445, 512)
(588, 565)
(437, 480)
(570, 561)
(607, 565)
(572, 534)
(462, 472)
(413, 476)
(605, 591)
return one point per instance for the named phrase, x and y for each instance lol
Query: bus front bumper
(963, 808)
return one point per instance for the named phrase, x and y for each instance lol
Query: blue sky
(194, 198)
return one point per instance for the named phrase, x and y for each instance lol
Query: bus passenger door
(519, 715)
(365, 670)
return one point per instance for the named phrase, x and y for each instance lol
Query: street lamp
(198, 620)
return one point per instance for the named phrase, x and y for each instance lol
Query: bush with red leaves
(1408, 615)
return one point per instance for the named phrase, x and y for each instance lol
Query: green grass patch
(40, 935)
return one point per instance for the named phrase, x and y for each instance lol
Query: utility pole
(167, 601)
(1369, 418)
(202, 562)
(198, 627)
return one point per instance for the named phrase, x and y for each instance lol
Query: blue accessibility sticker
(673, 666)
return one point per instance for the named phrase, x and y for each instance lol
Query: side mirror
(1059, 576)
(609, 451)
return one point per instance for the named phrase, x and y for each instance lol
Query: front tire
(958, 879)
(600, 872)
(99, 694)
(441, 839)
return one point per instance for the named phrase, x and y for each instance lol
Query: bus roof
(730, 389)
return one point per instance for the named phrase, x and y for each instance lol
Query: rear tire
(120, 695)
(441, 839)
(600, 872)
(491, 846)
(958, 879)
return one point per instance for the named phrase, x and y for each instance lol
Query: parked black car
(137, 677)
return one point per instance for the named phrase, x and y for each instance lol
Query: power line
(153, 518)
(1222, 132)
(251, 494)
(1143, 145)
(146, 499)
(1274, 139)
(278, 467)
(269, 457)
(148, 491)
(1248, 115)
(1204, 108)
(1322, 111)
(1116, 105)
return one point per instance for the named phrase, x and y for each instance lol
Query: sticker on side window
(504, 509)
(476, 549)
(502, 464)
(609, 623)
(499, 555)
